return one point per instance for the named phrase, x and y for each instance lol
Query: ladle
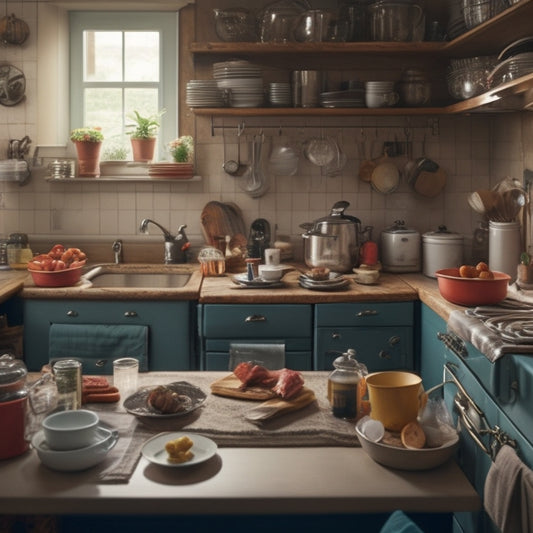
(230, 166)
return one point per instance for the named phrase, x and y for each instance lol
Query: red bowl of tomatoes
(57, 278)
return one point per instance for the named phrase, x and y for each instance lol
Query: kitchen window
(121, 63)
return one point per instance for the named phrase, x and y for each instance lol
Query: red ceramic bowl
(57, 278)
(472, 291)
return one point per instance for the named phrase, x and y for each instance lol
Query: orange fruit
(413, 436)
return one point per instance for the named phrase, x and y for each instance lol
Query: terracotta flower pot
(88, 158)
(143, 149)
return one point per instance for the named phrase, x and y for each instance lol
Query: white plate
(202, 448)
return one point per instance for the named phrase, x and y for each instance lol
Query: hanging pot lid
(13, 82)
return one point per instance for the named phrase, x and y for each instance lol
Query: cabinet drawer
(365, 314)
(169, 324)
(256, 321)
(387, 348)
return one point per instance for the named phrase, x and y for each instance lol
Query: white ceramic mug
(272, 256)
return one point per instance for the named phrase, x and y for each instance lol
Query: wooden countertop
(390, 288)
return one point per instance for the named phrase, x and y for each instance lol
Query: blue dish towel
(97, 345)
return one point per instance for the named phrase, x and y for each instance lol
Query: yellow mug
(395, 397)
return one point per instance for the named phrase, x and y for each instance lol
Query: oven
(492, 406)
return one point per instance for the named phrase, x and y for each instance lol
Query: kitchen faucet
(117, 250)
(175, 246)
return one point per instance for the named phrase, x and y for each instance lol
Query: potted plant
(88, 142)
(144, 135)
(182, 149)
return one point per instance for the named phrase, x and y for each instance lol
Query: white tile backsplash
(476, 152)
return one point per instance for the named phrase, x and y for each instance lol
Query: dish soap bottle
(346, 386)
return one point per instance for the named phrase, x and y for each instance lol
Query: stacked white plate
(204, 93)
(279, 94)
(242, 81)
(347, 98)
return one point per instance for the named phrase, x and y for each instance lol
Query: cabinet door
(169, 325)
(432, 350)
(384, 348)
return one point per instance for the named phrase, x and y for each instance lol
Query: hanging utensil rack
(431, 125)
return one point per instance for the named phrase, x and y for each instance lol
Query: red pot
(13, 419)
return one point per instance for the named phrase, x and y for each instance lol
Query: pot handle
(339, 208)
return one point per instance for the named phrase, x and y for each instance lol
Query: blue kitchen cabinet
(168, 326)
(220, 325)
(432, 350)
(382, 334)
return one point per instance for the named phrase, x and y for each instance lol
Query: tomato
(57, 251)
(59, 265)
(467, 271)
(482, 267)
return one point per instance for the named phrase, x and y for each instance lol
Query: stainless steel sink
(146, 279)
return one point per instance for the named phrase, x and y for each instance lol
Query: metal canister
(68, 378)
(345, 386)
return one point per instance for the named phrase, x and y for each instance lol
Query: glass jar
(19, 253)
(346, 386)
(414, 88)
(68, 380)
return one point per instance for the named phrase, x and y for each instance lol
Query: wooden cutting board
(220, 219)
(277, 406)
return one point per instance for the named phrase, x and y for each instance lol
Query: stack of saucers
(242, 80)
(204, 93)
(279, 94)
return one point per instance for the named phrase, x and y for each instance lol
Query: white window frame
(166, 24)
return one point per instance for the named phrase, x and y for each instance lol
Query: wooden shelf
(489, 38)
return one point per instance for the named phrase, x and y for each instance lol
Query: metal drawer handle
(255, 318)
(336, 335)
(129, 314)
(367, 312)
(72, 313)
(454, 343)
(100, 363)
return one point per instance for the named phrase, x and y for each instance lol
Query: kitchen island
(250, 480)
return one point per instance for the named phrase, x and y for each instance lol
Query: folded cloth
(491, 343)
(508, 493)
(399, 522)
(98, 343)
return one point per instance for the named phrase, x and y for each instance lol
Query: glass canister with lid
(414, 88)
(346, 386)
(19, 253)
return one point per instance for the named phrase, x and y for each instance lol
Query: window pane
(145, 101)
(103, 56)
(141, 53)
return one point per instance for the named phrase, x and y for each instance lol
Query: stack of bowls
(73, 440)
(468, 77)
(380, 94)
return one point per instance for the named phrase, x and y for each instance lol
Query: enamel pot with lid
(13, 405)
(333, 241)
(441, 249)
(400, 248)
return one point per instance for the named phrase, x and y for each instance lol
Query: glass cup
(125, 375)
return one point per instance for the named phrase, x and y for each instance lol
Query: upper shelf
(486, 39)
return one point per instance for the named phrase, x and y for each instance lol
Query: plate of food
(165, 401)
(177, 449)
